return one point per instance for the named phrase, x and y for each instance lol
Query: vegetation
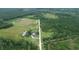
(11, 37)
(11, 44)
(64, 32)
(4, 24)
(60, 29)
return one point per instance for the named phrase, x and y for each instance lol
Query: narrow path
(40, 44)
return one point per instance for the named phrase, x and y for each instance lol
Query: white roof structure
(33, 35)
(24, 33)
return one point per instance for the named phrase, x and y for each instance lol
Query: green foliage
(64, 31)
(60, 31)
(64, 28)
(11, 37)
(5, 24)
(10, 44)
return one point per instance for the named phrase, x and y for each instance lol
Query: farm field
(14, 33)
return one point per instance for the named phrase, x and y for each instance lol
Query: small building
(29, 33)
(24, 33)
(34, 35)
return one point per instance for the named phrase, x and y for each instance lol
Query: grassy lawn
(20, 26)
(50, 16)
(11, 38)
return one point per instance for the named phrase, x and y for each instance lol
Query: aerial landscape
(39, 29)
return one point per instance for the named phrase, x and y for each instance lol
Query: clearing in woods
(20, 25)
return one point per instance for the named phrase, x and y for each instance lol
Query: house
(29, 33)
(34, 35)
(24, 33)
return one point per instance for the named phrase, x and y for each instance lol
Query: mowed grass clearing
(50, 16)
(20, 25)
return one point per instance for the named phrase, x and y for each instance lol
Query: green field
(20, 26)
(14, 33)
